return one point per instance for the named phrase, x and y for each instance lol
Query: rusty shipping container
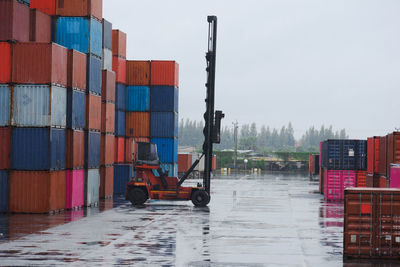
(106, 181)
(46, 6)
(119, 43)
(321, 179)
(76, 70)
(137, 72)
(5, 146)
(14, 21)
(131, 146)
(39, 63)
(37, 191)
(393, 150)
(40, 27)
(165, 73)
(108, 86)
(137, 124)
(93, 112)
(382, 155)
(108, 118)
(119, 67)
(119, 150)
(5, 62)
(372, 180)
(371, 225)
(107, 149)
(80, 8)
(75, 149)
(184, 162)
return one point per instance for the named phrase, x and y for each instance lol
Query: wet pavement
(270, 220)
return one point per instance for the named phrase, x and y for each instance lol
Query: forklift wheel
(200, 198)
(137, 196)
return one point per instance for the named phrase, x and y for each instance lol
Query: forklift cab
(146, 154)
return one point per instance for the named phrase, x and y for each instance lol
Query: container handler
(147, 185)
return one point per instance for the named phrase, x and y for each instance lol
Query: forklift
(147, 185)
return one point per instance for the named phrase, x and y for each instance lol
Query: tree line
(260, 139)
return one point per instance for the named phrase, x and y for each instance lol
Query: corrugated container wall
(107, 149)
(5, 146)
(120, 96)
(5, 104)
(164, 98)
(106, 181)
(76, 70)
(138, 98)
(108, 118)
(106, 61)
(38, 149)
(137, 72)
(393, 150)
(75, 158)
(4, 189)
(167, 149)
(108, 86)
(165, 73)
(137, 124)
(361, 178)
(46, 6)
(39, 63)
(37, 191)
(184, 162)
(14, 21)
(40, 27)
(119, 149)
(93, 112)
(394, 175)
(164, 124)
(92, 150)
(5, 62)
(76, 108)
(75, 188)
(336, 181)
(119, 43)
(382, 155)
(80, 8)
(73, 33)
(107, 34)
(39, 106)
(119, 67)
(92, 187)
(120, 123)
(93, 75)
(122, 174)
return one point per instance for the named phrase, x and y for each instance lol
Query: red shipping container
(5, 62)
(40, 27)
(376, 154)
(370, 154)
(372, 180)
(361, 178)
(75, 158)
(371, 225)
(46, 6)
(37, 191)
(383, 182)
(137, 72)
(184, 162)
(107, 117)
(14, 21)
(119, 67)
(80, 8)
(5, 143)
(382, 155)
(119, 150)
(119, 43)
(106, 182)
(107, 149)
(93, 112)
(165, 73)
(76, 70)
(393, 150)
(108, 86)
(75, 189)
(39, 63)
(137, 124)
(131, 146)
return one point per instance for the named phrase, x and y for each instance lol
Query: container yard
(92, 170)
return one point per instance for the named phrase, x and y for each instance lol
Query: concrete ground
(269, 220)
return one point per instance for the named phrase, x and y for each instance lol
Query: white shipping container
(107, 59)
(92, 187)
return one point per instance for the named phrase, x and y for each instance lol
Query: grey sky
(310, 62)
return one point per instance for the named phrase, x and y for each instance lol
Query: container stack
(343, 161)
(313, 164)
(164, 95)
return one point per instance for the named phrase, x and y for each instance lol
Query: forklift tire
(200, 198)
(137, 196)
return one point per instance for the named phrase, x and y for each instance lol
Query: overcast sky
(310, 62)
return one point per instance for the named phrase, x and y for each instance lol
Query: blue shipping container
(344, 154)
(164, 98)
(5, 97)
(167, 149)
(107, 34)
(120, 96)
(122, 175)
(92, 149)
(38, 149)
(137, 98)
(93, 75)
(82, 34)
(4, 189)
(76, 109)
(171, 169)
(119, 123)
(164, 124)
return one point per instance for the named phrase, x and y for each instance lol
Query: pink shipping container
(395, 176)
(75, 187)
(336, 181)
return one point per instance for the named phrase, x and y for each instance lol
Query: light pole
(245, 164)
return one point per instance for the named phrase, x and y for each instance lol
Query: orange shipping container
(75, 149)
(131, 146)
(119, 67)
(137, 72)
(184, 162)
(46, 6)
(107, 117)
(119, 150)
(361, 178)
(137, 124)
(80, 8)
(106, 182)
(76, 70)
(214, 163)
(107, 149)
(108, 86)
(93, 112)
(119, 43)
(37, 191)
(5, 62)
(165, 73)
(39, 63)
(40, 27)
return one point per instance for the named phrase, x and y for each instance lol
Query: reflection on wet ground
(276, 220)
